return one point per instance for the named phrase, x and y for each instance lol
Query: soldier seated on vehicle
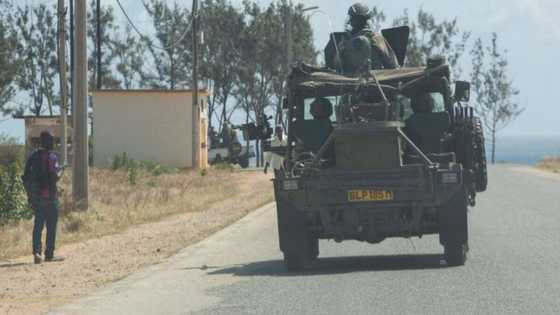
(426, 128)
(313, 133)
(422, 103)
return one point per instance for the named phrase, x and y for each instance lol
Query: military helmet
(321, 108)
(359, 10)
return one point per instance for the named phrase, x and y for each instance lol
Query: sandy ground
(535, 171)
(26, 288)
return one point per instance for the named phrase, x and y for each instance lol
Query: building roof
(203, 92)
(38, 117)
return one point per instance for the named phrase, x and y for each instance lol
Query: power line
(146, 38)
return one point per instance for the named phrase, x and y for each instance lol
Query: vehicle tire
(295, 260)
(244, 163)
(454, 229)
(299, 247)
(299, 254)
(480, 164)
(313, 248)
(455, 254)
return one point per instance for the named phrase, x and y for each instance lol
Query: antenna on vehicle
(385, 99)
(338, 61)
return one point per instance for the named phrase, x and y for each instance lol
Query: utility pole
(195, 109)
(72, 57)
(98, 46)
(81, 167)
(63, 83)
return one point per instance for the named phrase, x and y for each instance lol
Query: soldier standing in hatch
(383, 56)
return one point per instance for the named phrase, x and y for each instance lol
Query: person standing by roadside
(42, 172)
(275, 160)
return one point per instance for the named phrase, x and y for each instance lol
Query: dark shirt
(49, 164)
(53, 169)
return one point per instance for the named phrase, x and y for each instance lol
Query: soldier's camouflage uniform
(382, 55)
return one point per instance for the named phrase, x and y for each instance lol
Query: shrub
(11, 150)
(120, 162)
(73, 222)
(224, 166)
(132, 172)
(13, 199)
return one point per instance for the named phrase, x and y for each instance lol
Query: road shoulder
(32, 289)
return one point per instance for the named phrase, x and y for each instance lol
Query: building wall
(34, 126)
(147, 125)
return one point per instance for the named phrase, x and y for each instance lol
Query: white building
(149, 125)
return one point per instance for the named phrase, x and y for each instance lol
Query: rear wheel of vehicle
(295, 260)
(218, 159)
(454, 225)
(481, 173)
(456, 254)
(298, 256)
(313, 248)
(300, 252)
(244, 163)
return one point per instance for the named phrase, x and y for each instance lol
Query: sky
(527, 29)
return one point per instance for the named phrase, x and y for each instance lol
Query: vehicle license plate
(366, 195)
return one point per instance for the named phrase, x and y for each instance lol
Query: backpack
(36, 175)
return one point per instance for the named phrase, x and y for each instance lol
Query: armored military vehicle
(226, 148)
(378, 154)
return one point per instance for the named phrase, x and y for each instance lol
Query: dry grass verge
(127, 228)
(116, 204)
(551, 164)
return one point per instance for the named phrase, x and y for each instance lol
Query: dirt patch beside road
(538, 171)
(31, 289)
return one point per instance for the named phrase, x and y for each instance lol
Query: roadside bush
(13, 199)
(120, 161)
(132, 167)
(224, 167)
(132, 172)
(11, 150)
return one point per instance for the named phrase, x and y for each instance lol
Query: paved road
(514, 267)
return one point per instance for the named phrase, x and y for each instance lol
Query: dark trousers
(46, 213)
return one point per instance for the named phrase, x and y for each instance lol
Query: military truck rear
(388, 153)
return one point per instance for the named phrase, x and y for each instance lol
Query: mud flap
(453, 220)
(291, 226)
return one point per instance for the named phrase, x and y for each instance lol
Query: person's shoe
(54, 259)
(37, 259)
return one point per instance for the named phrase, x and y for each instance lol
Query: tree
(130, 65)
(494, 89)
(262, 69)
(36, 49)
(221, 55)
(171, 53)
(302, 46)
(108, 39)
(429, 38)
(8, 59)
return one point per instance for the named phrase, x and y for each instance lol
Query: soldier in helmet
(382, 55)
